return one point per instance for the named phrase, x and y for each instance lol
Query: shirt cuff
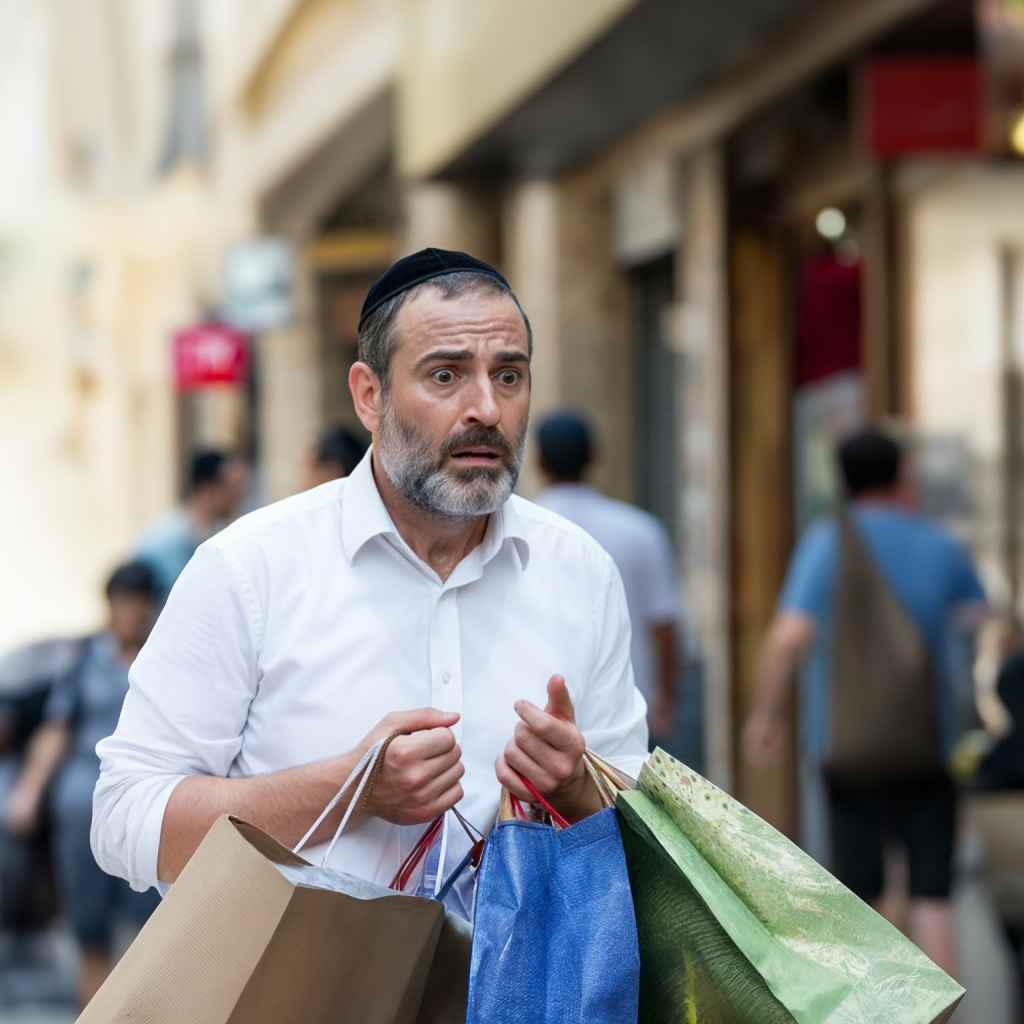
(130, 847)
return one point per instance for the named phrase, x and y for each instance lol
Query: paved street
(37, 982)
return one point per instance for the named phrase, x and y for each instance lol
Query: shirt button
(446, 677)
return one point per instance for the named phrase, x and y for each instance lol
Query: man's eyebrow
(444, 355)
(462, 355)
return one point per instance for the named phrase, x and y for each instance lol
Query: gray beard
(416, 470)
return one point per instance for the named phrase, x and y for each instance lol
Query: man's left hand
(547, 748)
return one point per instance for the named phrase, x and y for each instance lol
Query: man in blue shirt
(932, 578)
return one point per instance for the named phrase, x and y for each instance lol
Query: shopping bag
(884, 725)
(251, 933)
(737, 925)
(554, 935)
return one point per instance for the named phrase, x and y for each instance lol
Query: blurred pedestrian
(215, 492)
(62, 767)
(641, 550)
(337, 452)
(925, 584)
(999, 676)
(313, 628)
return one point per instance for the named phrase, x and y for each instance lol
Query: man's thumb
(559, 702)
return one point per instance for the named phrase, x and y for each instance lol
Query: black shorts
(920, 816)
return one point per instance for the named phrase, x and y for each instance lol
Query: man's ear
(366, 393)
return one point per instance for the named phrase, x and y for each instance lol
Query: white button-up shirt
(292, 633)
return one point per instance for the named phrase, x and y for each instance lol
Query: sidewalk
(37, 983)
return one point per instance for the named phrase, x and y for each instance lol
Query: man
(61, 765)
(416, 597)
(933, 580)
(337, 452)
(215, 491)
(640, 549)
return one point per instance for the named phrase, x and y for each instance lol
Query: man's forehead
(430, 315)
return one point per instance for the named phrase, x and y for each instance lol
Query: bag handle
(417, 855)
(607, 779)
(425, 844)
(364, 773)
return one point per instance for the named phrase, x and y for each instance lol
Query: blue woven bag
(554, 936)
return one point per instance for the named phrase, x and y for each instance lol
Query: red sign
(922, 105)
(828, 319)
(210, 354)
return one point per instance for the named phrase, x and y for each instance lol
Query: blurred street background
(739, 229)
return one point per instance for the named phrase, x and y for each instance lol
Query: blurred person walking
(337, 452)
(871, 595)
(639, 546)
(215, 491)
(999, 678)
(61, 769)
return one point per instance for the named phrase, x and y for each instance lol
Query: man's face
(131, 617)
(234, 481)
(453, 420)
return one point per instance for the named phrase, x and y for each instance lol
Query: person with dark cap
(415, 598)
(215, 489)
(872, 597)
(642, 552)
(337, 452)
(61, 769)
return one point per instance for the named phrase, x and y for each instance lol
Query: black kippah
(419, 267)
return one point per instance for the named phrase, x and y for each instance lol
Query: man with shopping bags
(416, 597)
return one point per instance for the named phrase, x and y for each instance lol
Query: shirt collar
(364, 516)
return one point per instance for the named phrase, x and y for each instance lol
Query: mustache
(478, 437)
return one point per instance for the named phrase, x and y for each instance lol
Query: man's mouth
(486, 456)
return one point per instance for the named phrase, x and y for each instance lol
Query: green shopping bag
(737, 925)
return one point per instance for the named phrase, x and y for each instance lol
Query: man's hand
(422, 767)
(763, 740)
(22, 812)
(547, 749)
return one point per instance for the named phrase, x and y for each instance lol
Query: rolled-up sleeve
(612, 713)
(185, 712)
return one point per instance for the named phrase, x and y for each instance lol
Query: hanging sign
(210, 354)
(922, 105)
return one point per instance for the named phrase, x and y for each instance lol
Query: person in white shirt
(641, 549)
(416, 596)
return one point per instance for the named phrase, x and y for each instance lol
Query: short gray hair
(377, 339)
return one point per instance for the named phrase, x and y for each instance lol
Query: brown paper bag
(236, 942)
(252, 933)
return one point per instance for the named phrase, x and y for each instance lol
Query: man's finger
(421, 746)
(510, 779)
(558, 762)
(522, 763)
(444, 782)
(555, 731)
(420, 719)
(559, 703)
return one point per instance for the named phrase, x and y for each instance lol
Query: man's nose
(483, 407)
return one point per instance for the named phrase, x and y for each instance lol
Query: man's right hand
(422, 767)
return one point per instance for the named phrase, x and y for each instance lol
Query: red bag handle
(535, 793)
(417, 855)
(426, 842)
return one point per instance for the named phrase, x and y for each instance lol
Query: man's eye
(443, 376)
(509, 376)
